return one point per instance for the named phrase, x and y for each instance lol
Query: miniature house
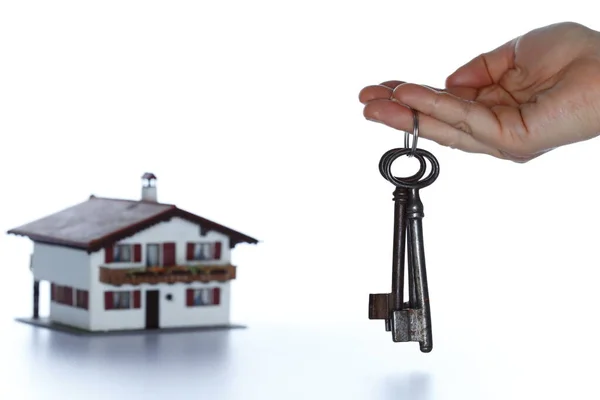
(117, 264)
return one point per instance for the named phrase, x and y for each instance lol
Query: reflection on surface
(199, 349)
(262, 362)
(414, 386)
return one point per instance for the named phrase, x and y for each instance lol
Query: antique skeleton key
(408, 321)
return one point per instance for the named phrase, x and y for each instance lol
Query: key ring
(415, 134)
(413, 182)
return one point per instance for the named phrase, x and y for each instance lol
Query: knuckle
(465, 112)
(437, 101)
(466, 109)
(463, 126)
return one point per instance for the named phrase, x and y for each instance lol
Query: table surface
(277, 361)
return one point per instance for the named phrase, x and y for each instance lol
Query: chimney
(149, 187)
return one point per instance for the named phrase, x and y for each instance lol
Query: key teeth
(401, 325)
(379, 306)
(407, 326)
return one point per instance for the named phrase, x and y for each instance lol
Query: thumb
(485, 69)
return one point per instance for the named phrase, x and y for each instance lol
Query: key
(413, 323)
(400, 203)
(407, 321)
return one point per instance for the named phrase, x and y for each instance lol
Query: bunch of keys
(408, 321)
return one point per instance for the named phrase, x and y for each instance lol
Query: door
(152, 309)
(152, 255)
(168, 254)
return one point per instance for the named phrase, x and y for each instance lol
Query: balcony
(170, 275)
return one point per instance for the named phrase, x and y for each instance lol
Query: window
(204, 251)
(82, 299)
(62, 294)
(122, 300)
(122, 253)
(203, 297)
(153, 255)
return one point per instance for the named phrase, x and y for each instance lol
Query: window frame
(118, 250)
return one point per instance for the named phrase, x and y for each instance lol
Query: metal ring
(385, 167)
(390, 156)
(415, 134)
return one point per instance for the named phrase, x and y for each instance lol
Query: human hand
(533, 94)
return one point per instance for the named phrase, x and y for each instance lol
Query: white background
(248, 113)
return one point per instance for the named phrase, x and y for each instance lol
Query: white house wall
(69, 315)
(176, 230)
(68, 267)
(61, 265)
(172, 313)
(175, 313)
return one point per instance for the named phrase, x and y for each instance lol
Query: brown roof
(99, 222)
(148, 175)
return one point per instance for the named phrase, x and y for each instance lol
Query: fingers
(494, 128)
(374, 92)
(485, 69)
(400, 117)
(384, 91)
(391, 84)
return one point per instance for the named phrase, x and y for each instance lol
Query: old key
(408, 321)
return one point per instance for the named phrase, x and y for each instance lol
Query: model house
(118, 264)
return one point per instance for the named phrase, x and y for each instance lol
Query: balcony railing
(176, 274)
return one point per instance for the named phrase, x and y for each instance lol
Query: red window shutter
(218, 246)
(108, 254)
(60, 294)
(69, 296)
(190, 251)
(52, 292)
(137, 253)
(216, 296)
(190, 297)
(169, 258)
(86, 299)
(108, 300)
(137, 299)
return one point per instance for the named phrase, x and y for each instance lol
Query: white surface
(296, 362)
(248, 114)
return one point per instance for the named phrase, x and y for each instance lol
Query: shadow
(172, 352)
(414, 386)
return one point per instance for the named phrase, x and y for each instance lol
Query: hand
(517, 102)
